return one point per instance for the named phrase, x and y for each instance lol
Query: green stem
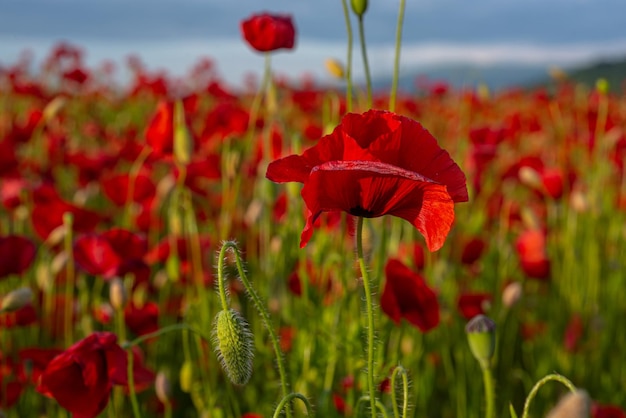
(131, 384)
(540, 383)
(399, 370)
(370, 316)
(346, 13)
(366, 66)
(70, 279)
(490, 394)
(396, 62)
(378, 404)
(280, 361)
(289, 398)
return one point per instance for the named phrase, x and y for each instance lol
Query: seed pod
(162, 387)
(234, 346)
(481, 336)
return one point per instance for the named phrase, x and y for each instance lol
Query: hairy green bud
(234, 345)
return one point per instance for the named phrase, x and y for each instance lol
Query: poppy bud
(182, 138)
(52, 108)
(511, 294)
(172, 267)
(117, 294)
(16, 299)
(573, 405)
(358, 7)
(481, 336)
(162, 387)
(602, 86)
(335, 68)
(234, 346)
(185, 377)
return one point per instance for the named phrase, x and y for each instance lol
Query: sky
(172, 35)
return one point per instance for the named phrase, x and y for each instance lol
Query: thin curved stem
(346, 13)
(399, 370)
(539, 384)
(232, 246)
(396, 62)
(289, 398)
(131, 384)
(366, 66)
(370, 316)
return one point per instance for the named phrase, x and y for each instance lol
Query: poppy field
(178, 247)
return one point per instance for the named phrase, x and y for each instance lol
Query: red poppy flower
(16, 255)
(406, 295)
(160, 130)
(48, 212)
(269, 32)
(81, 377)
(472, 304)
(378, 163)
(607, 411)
(531, 249)
(112, 253)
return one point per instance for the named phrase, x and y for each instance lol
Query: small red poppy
(378, 163)
(406, 295)
(269, 32)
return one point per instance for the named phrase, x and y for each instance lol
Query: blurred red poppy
(269, 32)
(531, 249)
(48, 212)
(607, 411)
(472, 304)
(406, 295)
(81, 377)
(378, 163)
(115, 252)
(16, 254)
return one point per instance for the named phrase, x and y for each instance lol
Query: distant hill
(502, 76)
(613, 71)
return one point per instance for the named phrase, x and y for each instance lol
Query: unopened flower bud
(182, 139)
(234, 345)
(117, 294)
(185, 377)
(573, 405)
(602, 86)
(162, 387)
(359, 7)
(511, 294)
(16, 299)
(335, 68)
(481, 335)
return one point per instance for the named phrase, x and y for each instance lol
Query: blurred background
(498, 42)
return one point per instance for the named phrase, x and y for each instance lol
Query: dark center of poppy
(359, 211)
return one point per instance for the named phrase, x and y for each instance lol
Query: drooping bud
(573, 405)
(481, 336)
(359, 7)
(16, 299)
(234, 345)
